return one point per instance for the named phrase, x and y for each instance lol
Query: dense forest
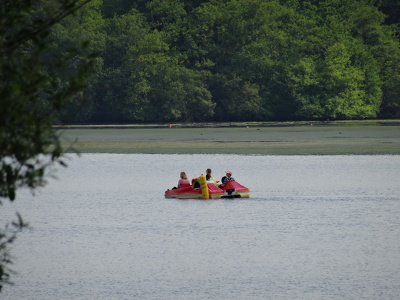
(235, 60)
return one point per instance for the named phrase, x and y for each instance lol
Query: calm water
(315, 227)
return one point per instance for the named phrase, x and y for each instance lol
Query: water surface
(314, 227)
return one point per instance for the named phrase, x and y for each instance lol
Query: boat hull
(232, 189)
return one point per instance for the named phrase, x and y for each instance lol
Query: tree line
(236, 60)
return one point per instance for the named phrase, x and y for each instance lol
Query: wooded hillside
(237, 60)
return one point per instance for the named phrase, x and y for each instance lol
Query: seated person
(208, 172)
(226, 178)
(209, 179)
(183, 180)
(196, 182)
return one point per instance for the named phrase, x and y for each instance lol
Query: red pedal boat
(232, 189)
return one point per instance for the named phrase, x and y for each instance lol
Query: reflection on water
(314, 227)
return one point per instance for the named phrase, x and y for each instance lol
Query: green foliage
(7, 237)
(34, 85)
(246, 60)
(237, 59)
(86, 28)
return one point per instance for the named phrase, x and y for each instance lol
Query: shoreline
(380, 122)
(337, 138)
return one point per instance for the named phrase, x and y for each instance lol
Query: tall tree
(85, 28)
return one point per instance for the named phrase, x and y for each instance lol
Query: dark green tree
(391, 8)
(119, 77)
(86, 25)
(30, 98)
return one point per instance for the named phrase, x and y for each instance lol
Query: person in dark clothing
(226, 178)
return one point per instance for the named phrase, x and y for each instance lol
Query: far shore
(234, 124)
(367, 137)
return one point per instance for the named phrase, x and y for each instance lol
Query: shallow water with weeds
(311, 139)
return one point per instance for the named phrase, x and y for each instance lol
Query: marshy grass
(287, 138)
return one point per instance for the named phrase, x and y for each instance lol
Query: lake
(314, 227)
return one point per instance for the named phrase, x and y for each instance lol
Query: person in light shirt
(208, 172)
(209, 179)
